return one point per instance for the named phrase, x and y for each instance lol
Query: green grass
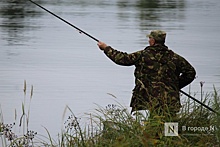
(113, 126)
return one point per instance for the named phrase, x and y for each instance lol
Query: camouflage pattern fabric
(157, 35)
(159, 75)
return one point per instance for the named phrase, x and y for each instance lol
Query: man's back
(157, 76)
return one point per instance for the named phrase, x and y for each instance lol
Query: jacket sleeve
(122, 58)
(187, 73)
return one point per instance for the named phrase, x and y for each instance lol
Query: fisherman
(159, 75)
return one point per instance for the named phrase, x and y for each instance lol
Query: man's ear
(153, 40)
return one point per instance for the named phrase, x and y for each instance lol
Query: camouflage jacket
(159, 75)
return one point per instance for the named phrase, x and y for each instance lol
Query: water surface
(67, 68)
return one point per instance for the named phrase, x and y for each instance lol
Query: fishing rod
(199, 102)
(80, 31)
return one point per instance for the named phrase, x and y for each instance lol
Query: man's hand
(102, 45)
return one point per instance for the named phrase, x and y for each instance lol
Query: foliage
(114, 126)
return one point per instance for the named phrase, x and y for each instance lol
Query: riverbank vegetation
(114, 126)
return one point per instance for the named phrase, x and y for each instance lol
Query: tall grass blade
(3, 139)
(50, 138)
(15, 114)
(32, 90)
(25, 87)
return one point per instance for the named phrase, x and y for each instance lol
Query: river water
(66, 68)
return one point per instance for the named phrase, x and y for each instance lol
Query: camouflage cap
(157, 35)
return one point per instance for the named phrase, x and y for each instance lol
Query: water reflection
(15, 20)
(15, 14)
(66, 68)
(151, 13)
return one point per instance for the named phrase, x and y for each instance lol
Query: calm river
(67, 68)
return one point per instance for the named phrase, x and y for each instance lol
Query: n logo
(171, 129)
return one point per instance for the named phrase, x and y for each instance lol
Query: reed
(116, 127)
(113, 125)
(9, 135)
